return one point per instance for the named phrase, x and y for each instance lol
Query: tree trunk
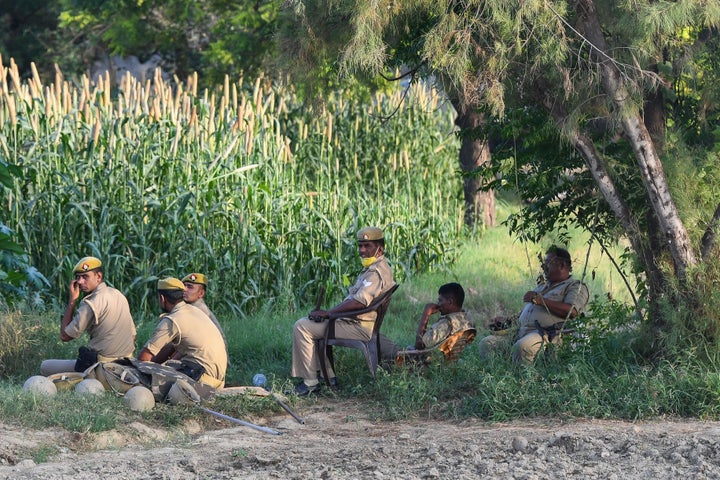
(474, 152)
(654, 117)
(651, 170)
(647, 251)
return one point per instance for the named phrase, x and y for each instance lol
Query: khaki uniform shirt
(570, 291)
(445, 326)
(105, 315)
(200, 303)
(372, 281)
(194, 337)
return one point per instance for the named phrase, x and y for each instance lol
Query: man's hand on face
(74, 291)
(432, 308)
(87, 282)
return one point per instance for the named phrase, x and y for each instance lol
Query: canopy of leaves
(26, 29)
(215, 37)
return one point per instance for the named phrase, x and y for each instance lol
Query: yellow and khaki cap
(87, 264)
(369, 234)
(198, 278)
(170, 283)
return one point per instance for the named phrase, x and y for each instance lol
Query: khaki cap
(369, 234)
(198, 278)
(87, 264)
(170, 283)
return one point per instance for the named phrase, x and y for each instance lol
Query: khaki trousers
(524, 350)
(305, 360)
(210, 381)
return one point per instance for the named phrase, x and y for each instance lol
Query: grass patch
(43, 453)
(573, 386)
(65, 410)
(83, 414)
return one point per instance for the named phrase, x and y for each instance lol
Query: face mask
(367, 261)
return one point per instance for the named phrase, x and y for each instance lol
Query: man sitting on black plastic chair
(375, 279)
(453, 319)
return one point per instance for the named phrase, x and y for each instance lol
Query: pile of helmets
(140, 389)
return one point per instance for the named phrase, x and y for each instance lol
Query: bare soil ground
(339, 441)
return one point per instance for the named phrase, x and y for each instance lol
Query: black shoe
(302, 390)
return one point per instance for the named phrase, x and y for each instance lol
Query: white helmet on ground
(40, 385)
(182, 393)
(139, 399)
(90, 386)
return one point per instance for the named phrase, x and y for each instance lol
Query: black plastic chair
(369, 348)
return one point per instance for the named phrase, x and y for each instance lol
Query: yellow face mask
(367, 261)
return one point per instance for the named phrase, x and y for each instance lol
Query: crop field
(250, 184)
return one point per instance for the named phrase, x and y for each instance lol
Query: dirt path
(339, 442)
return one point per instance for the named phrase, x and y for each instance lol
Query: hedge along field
(244, 182)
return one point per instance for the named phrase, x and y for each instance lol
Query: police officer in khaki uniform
(189, 332)
(375, 279)
(195, 289)
(103, 313)
(547, 308)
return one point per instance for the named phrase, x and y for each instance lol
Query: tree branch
(404, 96)
(646, 156)
(409, 73)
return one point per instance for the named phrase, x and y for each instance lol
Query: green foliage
(18, 278)
(20, 343)
(26, 28)
(217, 38)
(550, 176)
(65, 410)
(43, 453)
(606, 382)
(244, 183)
(694, 329)
(604, 318)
